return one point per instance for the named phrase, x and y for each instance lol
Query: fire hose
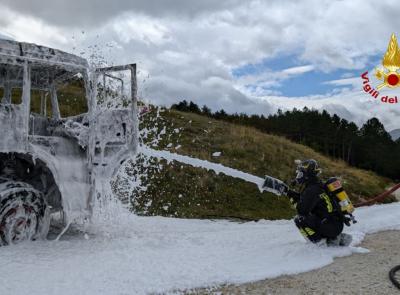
(276, 186)
(392, 273)
(378, 198)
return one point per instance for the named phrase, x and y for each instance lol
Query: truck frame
(51, 160)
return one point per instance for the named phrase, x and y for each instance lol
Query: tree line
(368, 147)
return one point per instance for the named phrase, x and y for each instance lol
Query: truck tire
(24, 213)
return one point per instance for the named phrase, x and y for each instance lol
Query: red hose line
(379, 197)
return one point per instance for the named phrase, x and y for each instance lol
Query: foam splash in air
(111, 215)
(216, 167)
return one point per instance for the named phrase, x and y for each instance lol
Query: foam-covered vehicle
(63, 126)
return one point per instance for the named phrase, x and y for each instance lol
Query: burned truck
(65, 125)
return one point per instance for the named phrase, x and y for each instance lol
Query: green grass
(71, 99)
(183, 191)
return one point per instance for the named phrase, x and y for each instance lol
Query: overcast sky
(243, 56)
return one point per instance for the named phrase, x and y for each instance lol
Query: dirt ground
(397, 194)
(355, 274)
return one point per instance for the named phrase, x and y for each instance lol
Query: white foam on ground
(126, 254)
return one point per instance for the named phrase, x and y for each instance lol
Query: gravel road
(356, 274)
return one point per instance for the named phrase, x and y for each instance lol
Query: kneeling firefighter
(322, 208)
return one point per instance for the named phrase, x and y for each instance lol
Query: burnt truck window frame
(48, 79)
(11, 79)
(72, 100)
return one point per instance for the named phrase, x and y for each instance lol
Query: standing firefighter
(322, 207)
(319, 215)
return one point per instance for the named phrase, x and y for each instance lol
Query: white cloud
(142, 29)
(298, 70)
(354, 81)
(29, 29)
(187, 49)
(267, 82)
(92, 13)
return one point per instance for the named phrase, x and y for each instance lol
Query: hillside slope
(176, 189)
(395, 134)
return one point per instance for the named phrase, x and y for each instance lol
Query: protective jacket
(318, 215)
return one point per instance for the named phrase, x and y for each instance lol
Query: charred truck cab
(63, 127)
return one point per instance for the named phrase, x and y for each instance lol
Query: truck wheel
(24, 214)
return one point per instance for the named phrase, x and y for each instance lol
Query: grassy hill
(395, 134)
(176, 189)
